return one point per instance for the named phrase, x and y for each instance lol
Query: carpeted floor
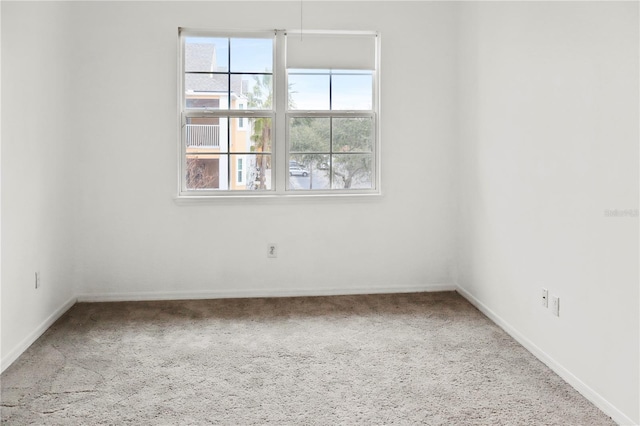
(421, 358)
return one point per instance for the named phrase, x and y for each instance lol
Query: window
(278, 113)
(240, 170)
(241, 120)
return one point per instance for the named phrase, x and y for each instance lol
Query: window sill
(186, 200)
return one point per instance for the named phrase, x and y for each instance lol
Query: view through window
(266, 113)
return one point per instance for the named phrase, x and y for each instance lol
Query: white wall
(548, 104)
(38, 163)
(136, 242)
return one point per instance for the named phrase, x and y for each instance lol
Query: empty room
(320, 212)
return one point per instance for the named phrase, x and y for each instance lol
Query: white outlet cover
(555, 305)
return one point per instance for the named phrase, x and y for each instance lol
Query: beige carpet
(405, 359)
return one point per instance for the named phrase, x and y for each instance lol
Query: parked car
(298, 171)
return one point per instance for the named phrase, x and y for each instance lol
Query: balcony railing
(203, 135)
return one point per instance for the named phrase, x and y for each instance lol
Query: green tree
(348, 141)
(352, 139)
(261, 97)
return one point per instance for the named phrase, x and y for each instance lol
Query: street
(318, 179)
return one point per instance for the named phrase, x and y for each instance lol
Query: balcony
(203, 136)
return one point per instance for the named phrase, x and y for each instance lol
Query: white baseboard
(227, 294)
(600, 402)
(35, 334)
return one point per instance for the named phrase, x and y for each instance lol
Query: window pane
(257, 89)
(253, 136)
(206, 54)
(309, 171)
(308, 92)
(308, 134)
(206, 91)
(203, 172)
(353, 134)
(205, 134)
(257, 169)
(352, 92)
(251, 55)
(352, 171)
(246, 169)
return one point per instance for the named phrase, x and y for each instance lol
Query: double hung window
(277, 113)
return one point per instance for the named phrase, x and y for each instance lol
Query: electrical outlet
(272, 250)
(38, 280)
(555, 305)
(545, 298)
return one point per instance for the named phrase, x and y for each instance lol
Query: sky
(349, 91)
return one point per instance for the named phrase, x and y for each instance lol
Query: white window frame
(280, 116)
